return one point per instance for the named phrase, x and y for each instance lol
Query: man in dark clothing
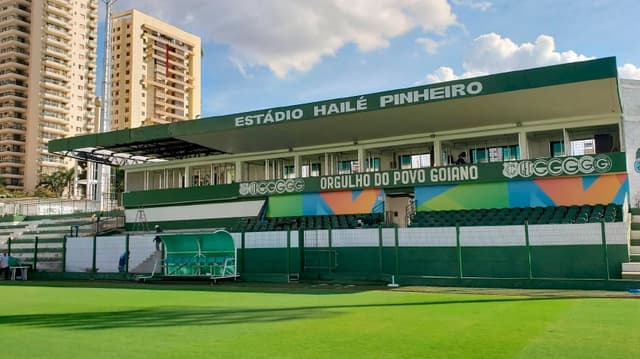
(157, 240)
(4, 265)
(122, 262)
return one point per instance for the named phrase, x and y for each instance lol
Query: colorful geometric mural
(565, 191)
(326, 203)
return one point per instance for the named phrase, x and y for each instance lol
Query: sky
(268, 53)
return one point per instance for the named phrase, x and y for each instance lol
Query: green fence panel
(496, 262)
(429, 261)
(576, 261)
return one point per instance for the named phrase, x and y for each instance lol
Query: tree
(118, 184)
(58, 181)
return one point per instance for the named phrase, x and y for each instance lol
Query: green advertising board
(473, 173)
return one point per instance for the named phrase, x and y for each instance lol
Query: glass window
(478, 155)
(314, 171)
(372, 165)
(347, 167)
(415, 161)
(511, 153)
(495, 154)
(583, 147)
(556, 148)
(289, 171)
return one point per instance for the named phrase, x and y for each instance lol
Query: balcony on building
(57, 31)
(54, 84)
(13, 62)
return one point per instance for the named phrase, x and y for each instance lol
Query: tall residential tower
(155, 75)
(47, 83)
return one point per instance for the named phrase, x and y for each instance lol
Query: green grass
(163, 321)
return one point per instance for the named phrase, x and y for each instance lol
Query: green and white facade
(551, 136)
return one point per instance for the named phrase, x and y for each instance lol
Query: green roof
(573, 89)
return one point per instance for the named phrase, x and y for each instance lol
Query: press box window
(415, 161)
(310, 171)
(556, 148)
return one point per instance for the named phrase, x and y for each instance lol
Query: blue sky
(268, 53)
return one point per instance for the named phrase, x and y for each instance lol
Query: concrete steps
(147, 265)
(634, 249)
(631, 270)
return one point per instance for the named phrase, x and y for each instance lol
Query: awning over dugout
(586, 88)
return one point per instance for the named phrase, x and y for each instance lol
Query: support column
(326, 164)
(567, 142)
(361, 164)
(238, 171)
(437, 153)
(523, 142)
(296, 165)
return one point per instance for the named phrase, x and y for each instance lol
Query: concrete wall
(630, 96)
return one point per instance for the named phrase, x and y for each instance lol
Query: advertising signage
(471, 173)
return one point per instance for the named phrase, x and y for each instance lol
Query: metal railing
(46, 206)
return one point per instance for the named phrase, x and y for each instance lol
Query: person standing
(4, 265)
(157, 240)
(122, 262)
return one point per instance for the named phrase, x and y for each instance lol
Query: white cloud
(430, 45)
(442, 74)
(291, 35)
(629, 71)
(476, 5)
(491, 53)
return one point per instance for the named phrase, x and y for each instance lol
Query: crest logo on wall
(510, 169)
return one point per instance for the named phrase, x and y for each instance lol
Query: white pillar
(296, 165)
(326, 164)
(238, 170)
(523, 142)
(437, 153)
(567, 142)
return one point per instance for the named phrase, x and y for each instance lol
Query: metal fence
(50, 206)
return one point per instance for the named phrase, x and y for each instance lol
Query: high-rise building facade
(47, 83)
(155, 76)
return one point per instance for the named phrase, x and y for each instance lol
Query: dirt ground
(548, 293)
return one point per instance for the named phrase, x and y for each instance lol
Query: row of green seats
(518, 216)
(253, 224)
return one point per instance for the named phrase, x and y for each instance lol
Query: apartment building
(155, 75)
(47, 83)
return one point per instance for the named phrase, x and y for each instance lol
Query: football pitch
(97, 320)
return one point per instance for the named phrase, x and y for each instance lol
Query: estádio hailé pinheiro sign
(361, 103)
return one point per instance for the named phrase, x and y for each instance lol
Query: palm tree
(58, 181)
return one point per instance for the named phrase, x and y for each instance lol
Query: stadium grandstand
(523, 175)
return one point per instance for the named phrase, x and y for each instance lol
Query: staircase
(631, 270)
(148, 264)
